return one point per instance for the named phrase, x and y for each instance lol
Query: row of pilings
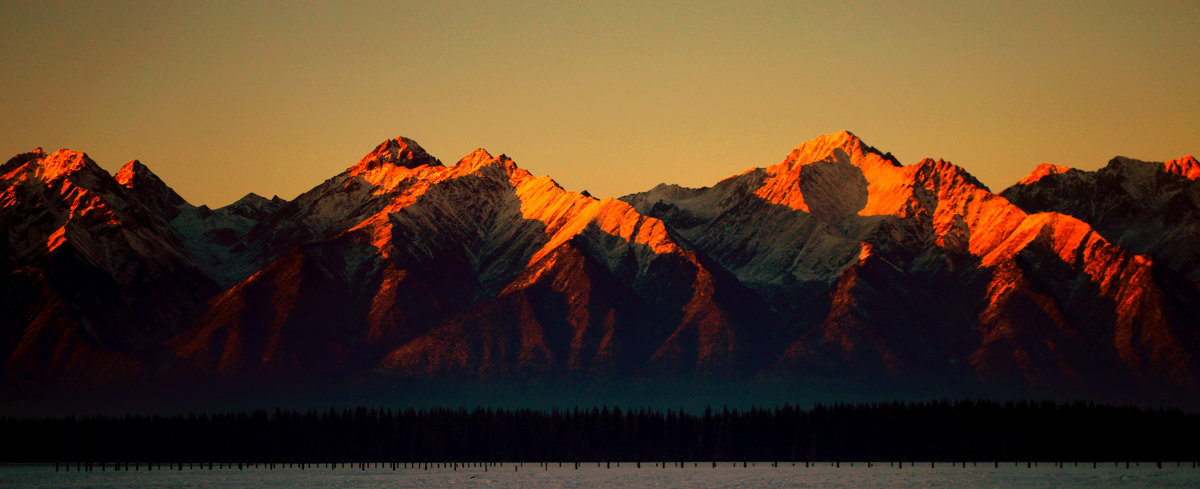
(394, 466)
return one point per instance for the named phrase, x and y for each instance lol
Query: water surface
(702, 475)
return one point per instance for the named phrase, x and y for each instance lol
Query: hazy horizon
(222, 99)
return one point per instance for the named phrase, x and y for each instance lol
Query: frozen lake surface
(627, 475)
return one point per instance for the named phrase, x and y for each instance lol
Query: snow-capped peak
(841, 164)
(1042, 171)
(253, 206)
(150, 190)
(126, 175)
(400, 151)
(480, 159)
(135, 174)
(252, 200)
(476, 158)
(825, 147)
(65, 162)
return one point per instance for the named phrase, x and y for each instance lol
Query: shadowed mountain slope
(838, 264)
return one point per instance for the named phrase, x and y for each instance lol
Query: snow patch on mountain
(217, 239)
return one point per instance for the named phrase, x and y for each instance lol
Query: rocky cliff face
(837, 263)
(1148, 208)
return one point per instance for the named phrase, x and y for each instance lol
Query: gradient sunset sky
(225, 98)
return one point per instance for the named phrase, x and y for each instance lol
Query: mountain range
(838, 264)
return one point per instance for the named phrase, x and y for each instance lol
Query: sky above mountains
(221, 98)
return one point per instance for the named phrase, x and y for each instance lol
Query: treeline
(941, 431)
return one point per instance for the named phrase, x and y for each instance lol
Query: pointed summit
(826, 146)
(129, 172)
(843, 135)
(251, 199)
(254, 206)
(480, 161)
(400, 151)
(147, 188)
(134, 174)
(840, 164)
(1042, 171)
(478, 157)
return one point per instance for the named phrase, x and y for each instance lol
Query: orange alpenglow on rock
(1041, 171)
(837, 263)
(1186, 166)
